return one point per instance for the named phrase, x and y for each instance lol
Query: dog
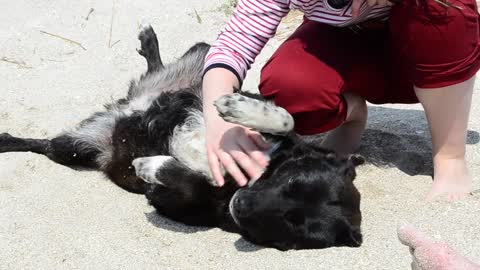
(152, 142)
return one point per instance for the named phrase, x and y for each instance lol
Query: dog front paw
(147, 167)
(259, 115)
(233, 108)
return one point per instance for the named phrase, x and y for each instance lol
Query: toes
(435, 195)
(411, 237)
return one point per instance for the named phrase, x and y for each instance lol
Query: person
(430, 255)
(412, 51)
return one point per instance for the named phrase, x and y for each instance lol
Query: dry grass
(289, 24)
(228, 7)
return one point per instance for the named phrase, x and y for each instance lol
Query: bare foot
(429, 255)
(451, 180)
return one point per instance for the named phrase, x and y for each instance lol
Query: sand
(54, 217)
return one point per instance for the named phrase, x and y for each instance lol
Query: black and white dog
(152, 142)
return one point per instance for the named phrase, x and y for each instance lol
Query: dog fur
(153, 142)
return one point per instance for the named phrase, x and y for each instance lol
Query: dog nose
(241, 207)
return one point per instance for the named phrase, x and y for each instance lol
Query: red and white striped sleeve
(253, 23)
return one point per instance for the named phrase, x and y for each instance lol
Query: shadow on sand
(399, 138)
(170, 225)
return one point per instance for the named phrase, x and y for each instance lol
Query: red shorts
(429, 47)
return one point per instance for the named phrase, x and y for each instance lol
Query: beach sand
(54, 217)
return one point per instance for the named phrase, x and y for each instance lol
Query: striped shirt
(254, 22)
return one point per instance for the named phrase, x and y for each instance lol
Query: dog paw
(262, 116)
(7, 142)
(147, 38)
(357, 159)
(147, 167)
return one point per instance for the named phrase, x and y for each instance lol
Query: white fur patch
(96, 133)
(231, 210)
(142, 103)
(187, 144)
(262, 116)
(147, 167)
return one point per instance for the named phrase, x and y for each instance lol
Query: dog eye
(292, 188)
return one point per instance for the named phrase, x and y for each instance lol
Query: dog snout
(241, 207)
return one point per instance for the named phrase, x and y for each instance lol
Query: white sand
(53, 217)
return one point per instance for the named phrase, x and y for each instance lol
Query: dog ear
(356, 159)
(283, 246)
(347, 235)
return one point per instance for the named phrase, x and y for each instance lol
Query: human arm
(234, 147)
(228, 145)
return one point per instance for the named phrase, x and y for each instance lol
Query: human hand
(356, 4)
(236, 148)
(230, 146)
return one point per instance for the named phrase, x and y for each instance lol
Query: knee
(314, 101)
(298, 89)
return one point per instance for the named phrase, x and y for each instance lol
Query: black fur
(304, 199)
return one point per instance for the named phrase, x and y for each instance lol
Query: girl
(413, 51)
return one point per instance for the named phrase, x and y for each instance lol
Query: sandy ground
(53, 217)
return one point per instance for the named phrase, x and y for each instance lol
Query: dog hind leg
(8, 143)
(61, 149)
(149, 48)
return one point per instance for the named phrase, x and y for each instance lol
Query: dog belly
(187, 144)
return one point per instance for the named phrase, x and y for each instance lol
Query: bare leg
(345, 139)
(447, 110)
(428, 255)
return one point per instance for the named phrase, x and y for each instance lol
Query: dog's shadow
(399, 138)
(243, 245)
(164, 223)
(167, 224)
